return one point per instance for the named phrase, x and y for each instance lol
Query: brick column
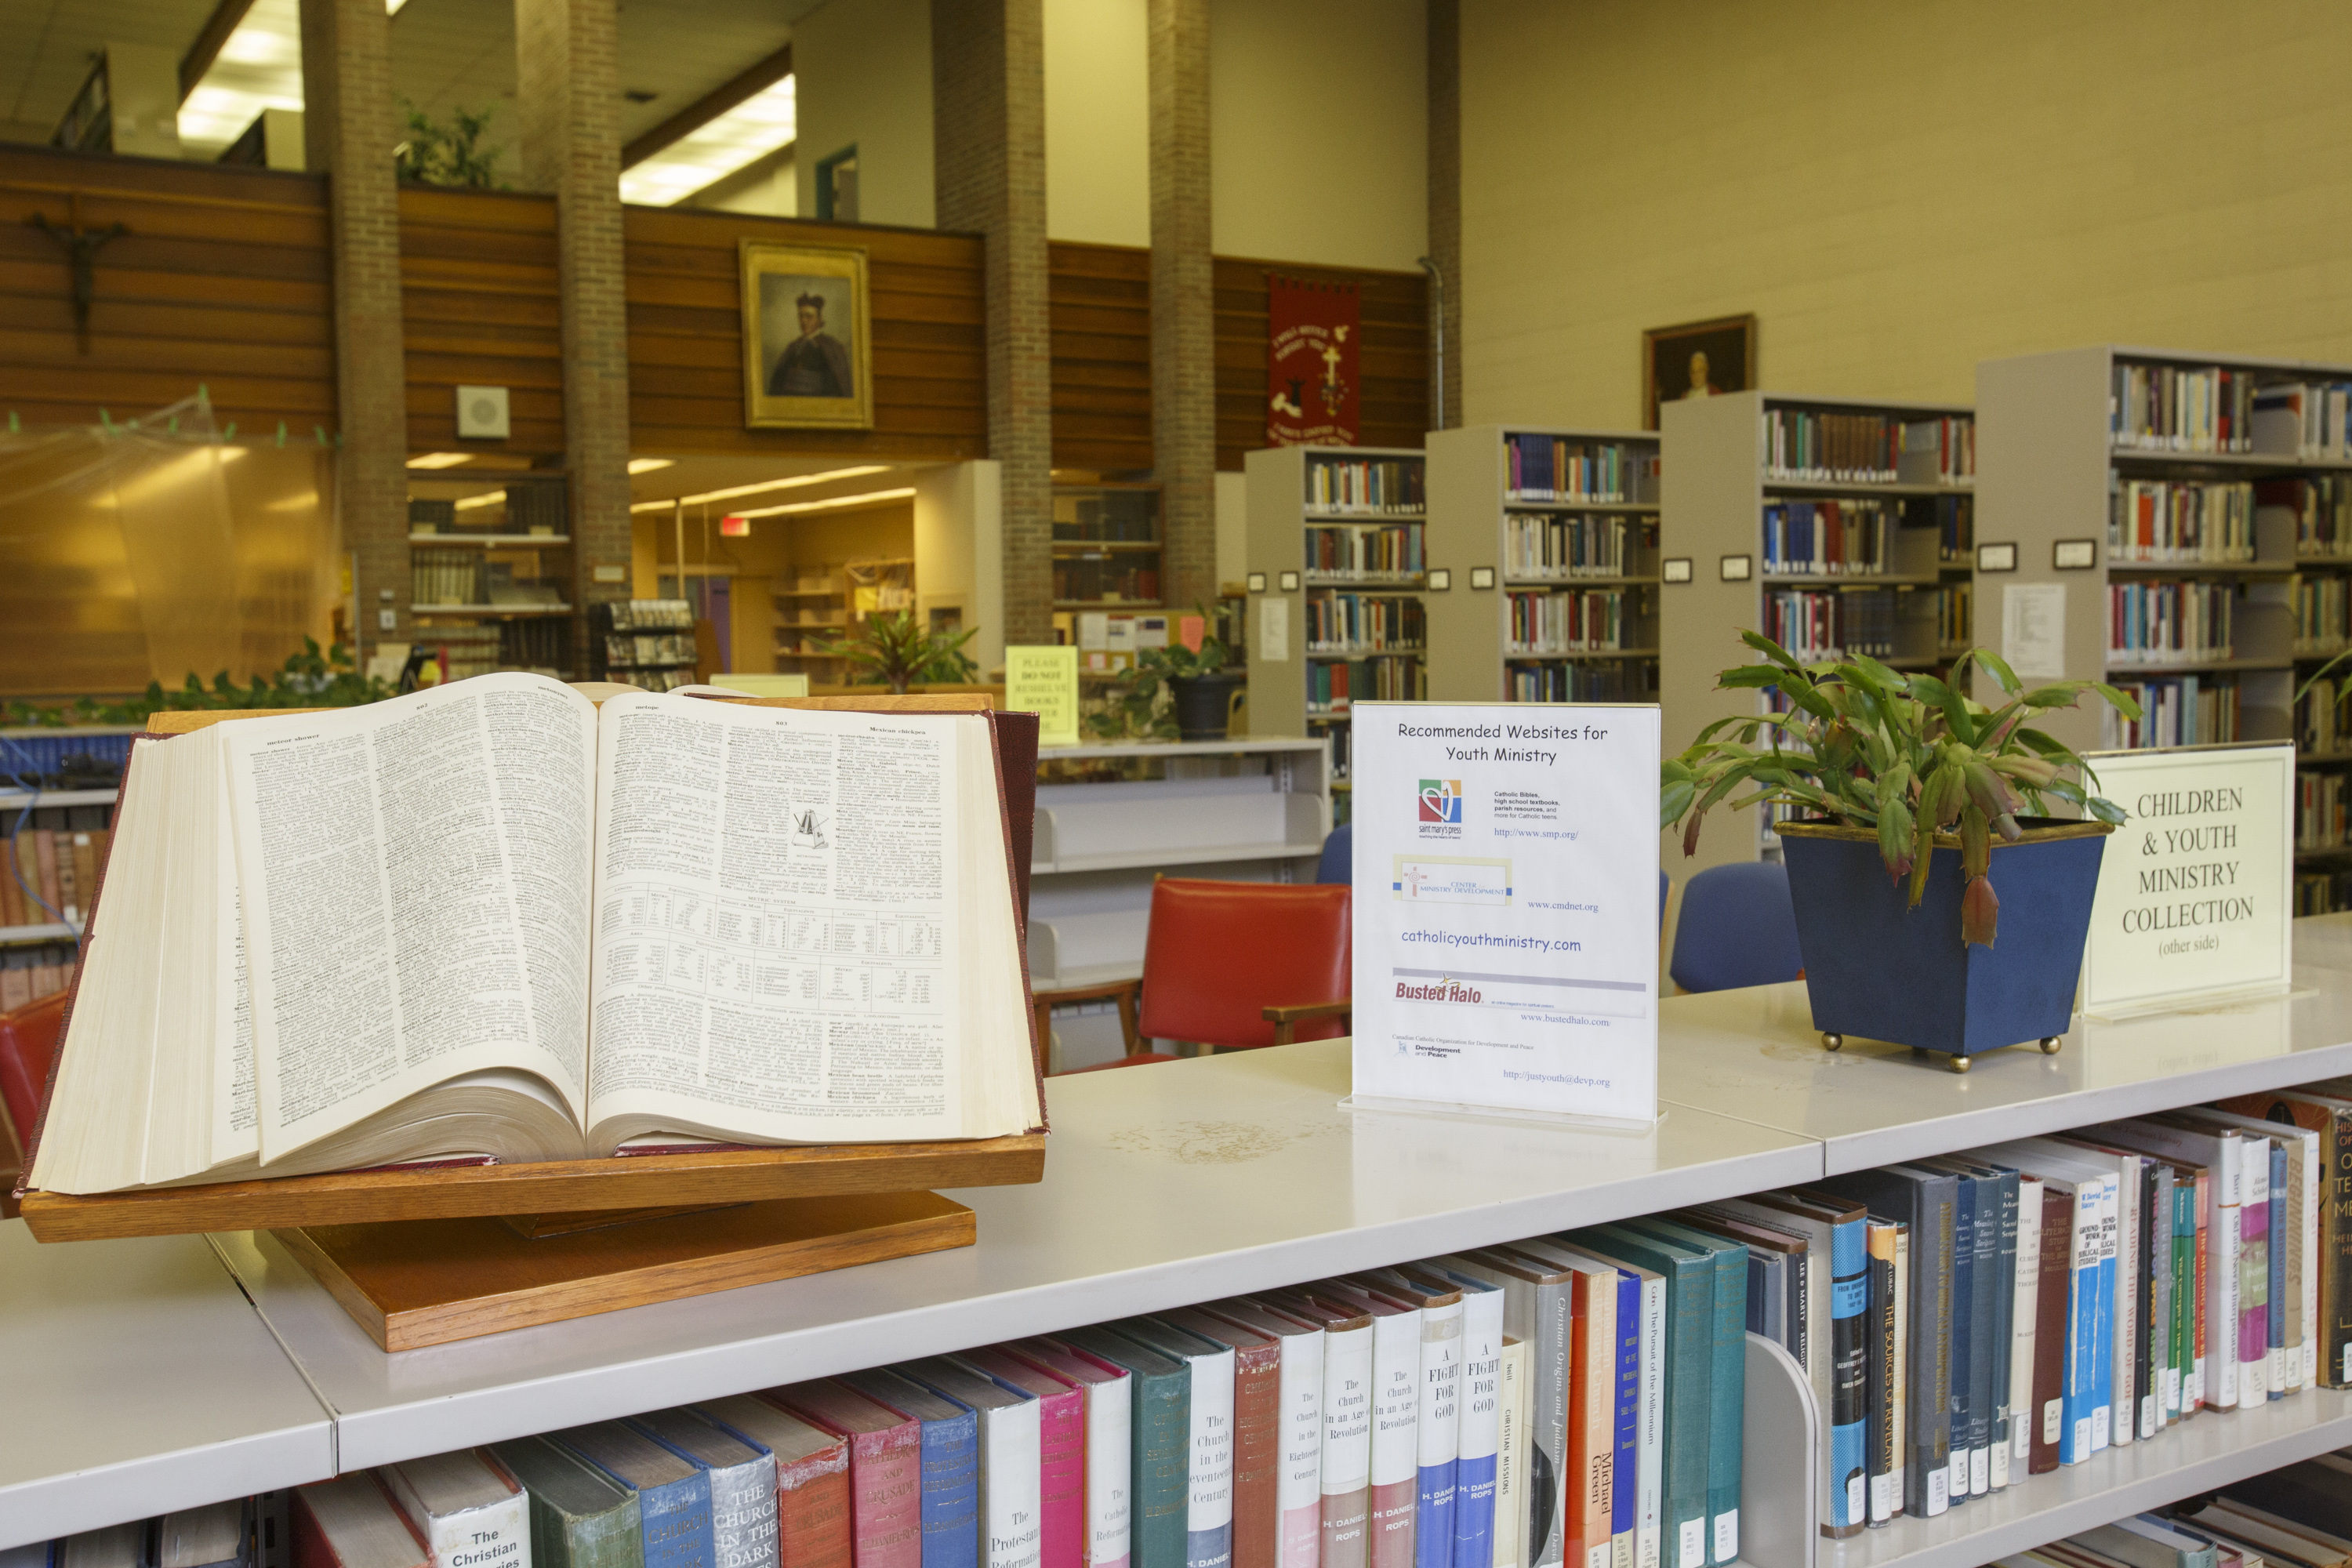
(1446, 202)
(988, 120)
(1183, 300)
(349, 132)
(568, 96)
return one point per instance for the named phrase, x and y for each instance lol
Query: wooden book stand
(421, 1256)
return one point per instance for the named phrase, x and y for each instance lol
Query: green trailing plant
(900, 651)
(451, 154)
(311, 678)
(1141, 707)
(1909, 756)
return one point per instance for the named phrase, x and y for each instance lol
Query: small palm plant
(1908, 755)
(898, 650)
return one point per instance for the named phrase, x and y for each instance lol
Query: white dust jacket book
(1506, 908)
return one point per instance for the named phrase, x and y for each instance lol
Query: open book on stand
(491, 919)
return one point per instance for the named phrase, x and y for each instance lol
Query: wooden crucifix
(81, 248)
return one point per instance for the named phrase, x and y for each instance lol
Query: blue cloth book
(673, 1492)
(950, 1496)
(1629, 1407)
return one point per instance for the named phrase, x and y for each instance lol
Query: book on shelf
(2169, 521)
(1554, 546)
(1828, 538)
(2311, 419)
(672, 1492)
(2317, 508)
(1365, 622)
(742, 1477)
(2323, 614)
(2169, 622)
(580, 1517)
(1351, 552)
(1829, 447)
(1159, 1436)
(505, 990)
(1816, 624)
(886, 1455)
(1539, 467)
(949, 1493)
(468, 1508)
(1561, 622)
(2176, 711)
(1258, 1432)
(1107, 1441)
(1377, 486)
(1009, 1442)
(2180, 408)
(811, 1477)
(348, 1523)
(216, 1535)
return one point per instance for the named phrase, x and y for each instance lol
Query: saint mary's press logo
(1441, 799)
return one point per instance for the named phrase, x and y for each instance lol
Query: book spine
(2253, 1273)
(2103, 1386)
(1690, 1339)
(1850, 1345)
(1511, 1454)
(1899, 1398)
(2148, 1366)
(1728, 1384)
(1927, 1412)
(1550, 1374)
(1162, 1429)
(1479, 1436)
(885, 1496)
(1110, 1471)
(950, 1492)
(496, 1536)
(676, 1522)
(1878, 1410)
(2220, 1269)
(2185, 1295)
(1209, 1464)
(743, 1515)
(2024, 1314)
(1347, 1446)
(2278, 1384)
(2003, 1287)
(1012, 1484)
(1437, 1434)
(1593, 1422)
(1650, 1461)
(2124, 1296)
(2082, 1304)
(1062, 1478)
(1396, 1408)
(1624, 1467)
(2163, 1395)
(1984, 1335)
(1962, 1327)
(2306, 1256)
(1299, 1492)
(812, 1521)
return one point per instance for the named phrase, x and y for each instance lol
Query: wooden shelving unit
(460, 602)
(1107, 547)
(1719, 479)
(1504, 548)
(824, 602)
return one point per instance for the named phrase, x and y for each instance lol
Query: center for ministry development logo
(1441, 799)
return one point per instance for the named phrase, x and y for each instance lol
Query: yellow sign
(1045, 681)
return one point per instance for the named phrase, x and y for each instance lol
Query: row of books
(1616, 681)
(1364, 554)
(1129, 579)
(51, 860)
(1332, 686)
(41, 969)
(2189, 520)
(1536, 546)
(2175, 711)
(656, 679)
(2173, 408)
(2311, 419)
(2322, 892)
(1827, 537)
(1948, 443)
(2319, 808)
(1955, 529)
(1804, 443)
(1824, 623)
(1954, 616)
(1552, 468)
(644, 615)
(2321, 508)
(1597, 619)
(445, 577)
(1387, 487)
(2228, 1531)
(2319, 717)
(2322, 613)
(1364, 623)
(1090, 515)
(2169, 623)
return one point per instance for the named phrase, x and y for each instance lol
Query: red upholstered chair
(28, 1043)
(1236, 966)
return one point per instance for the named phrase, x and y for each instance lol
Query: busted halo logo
(1437, 991)
(1440, 800)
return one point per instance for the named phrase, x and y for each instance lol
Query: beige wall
(1098, 122)
(865, 80)
(1896, 191)
(1318, 118)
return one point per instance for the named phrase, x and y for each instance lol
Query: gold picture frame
(1724, 346)
(798, 300)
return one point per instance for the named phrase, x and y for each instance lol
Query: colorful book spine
(1880, 1445)
(1625, 1513)
(1850, 1338)
(1437, 1428)
(884, 1471)
(1481, 1424)
(813, 1521)
(2253, 1273)
(1159, 1432)
(1396, 1449)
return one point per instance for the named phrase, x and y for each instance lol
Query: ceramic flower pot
(1877, 969)
(1201, 702)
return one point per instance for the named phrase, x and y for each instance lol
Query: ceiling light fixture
(488, 498)
(440, 459)
(763, 487)
(648, 465)
(754, 128)
(868, 499)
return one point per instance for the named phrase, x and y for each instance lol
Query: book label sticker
(1979, 1472)
(1940, 1491)
(2196, 894)
(1506, 925)
(1691, 1551)
(2000, 1466)
(1881, 1497)
(1726, 1536)
(1045, 681)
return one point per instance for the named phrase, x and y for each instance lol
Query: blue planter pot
(1879, 970)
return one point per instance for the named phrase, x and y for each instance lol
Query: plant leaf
(1955, 711)
(1987, 659)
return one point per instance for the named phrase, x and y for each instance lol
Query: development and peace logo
(1441, 799)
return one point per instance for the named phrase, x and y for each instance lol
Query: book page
(778, 905)
(415, 882)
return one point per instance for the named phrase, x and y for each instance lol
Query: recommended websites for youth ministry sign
(2196, 888)
(1506, 908)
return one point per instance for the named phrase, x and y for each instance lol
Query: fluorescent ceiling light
(392, 7)
(440, 459)
(488, 498)
(764, 486)
(744, 135)
(259, 66)
(868, 499)
(648, 465)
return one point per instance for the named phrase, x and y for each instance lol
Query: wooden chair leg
(1126, 1020)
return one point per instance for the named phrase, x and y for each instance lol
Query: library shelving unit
(1555, 595)
(1107, 547)
(826, 601)
(13, 804)
(2068, 448)
(1735, 478)
(1335, 541)
(647, 643)
(490, 571)
(1163, 1185)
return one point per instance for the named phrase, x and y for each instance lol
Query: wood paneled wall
(222, 279)
(1099, 301)
(481, 307)
(1394, 358)
(686, 337)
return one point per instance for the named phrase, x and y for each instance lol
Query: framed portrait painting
(1698, 359)
(808, 349)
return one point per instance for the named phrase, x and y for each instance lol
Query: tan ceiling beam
(748, 84)
(209, 41)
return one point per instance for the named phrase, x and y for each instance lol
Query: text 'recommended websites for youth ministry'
(1506, 908)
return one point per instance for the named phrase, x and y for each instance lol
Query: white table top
(1164, 1184)
(134, 1379)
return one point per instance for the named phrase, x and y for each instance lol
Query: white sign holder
(2196, 897)
(1507, 911)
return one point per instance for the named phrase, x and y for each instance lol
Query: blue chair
(1338, 861)
(1738, 928)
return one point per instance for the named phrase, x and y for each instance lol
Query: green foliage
(1143, 708)
(900, 651)
(448, 154)
(1908, 755)
(307, 679)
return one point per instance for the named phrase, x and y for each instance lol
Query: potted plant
(1200, 694)
(900, 651)
(1908, 791)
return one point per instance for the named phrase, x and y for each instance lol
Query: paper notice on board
(1273, 631)
(1506, 908)
(2033, 629)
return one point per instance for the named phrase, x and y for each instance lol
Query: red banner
(1310, 363)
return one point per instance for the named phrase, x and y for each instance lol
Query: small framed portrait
(1698, 359)
(808, 349)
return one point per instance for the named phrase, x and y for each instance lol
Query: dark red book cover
(885, 1469)
(813, 1513)
(321, 1512)
(2050, 1332)
(1257, 1434)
